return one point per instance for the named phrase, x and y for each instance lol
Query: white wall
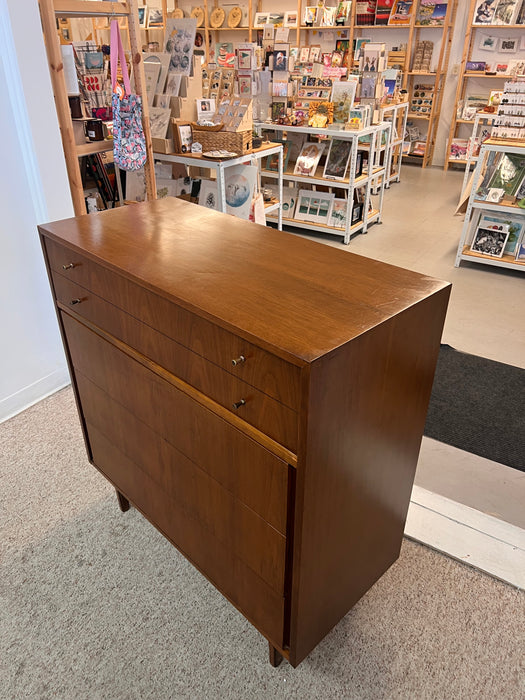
(34, 190)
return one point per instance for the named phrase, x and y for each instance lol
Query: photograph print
(490, 241)
(337, 159)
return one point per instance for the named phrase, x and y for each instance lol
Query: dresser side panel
(367, 406)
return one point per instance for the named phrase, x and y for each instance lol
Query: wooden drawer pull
(238, 404)
(75, 301)
(239, 360)
(68, 267)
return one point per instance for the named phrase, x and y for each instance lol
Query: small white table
(220, 166)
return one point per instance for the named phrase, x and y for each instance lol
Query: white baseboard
(473, 537)
(33, 393)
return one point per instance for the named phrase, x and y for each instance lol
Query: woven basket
(236, 141)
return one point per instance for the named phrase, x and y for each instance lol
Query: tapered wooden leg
(275, 656)
(123, 502)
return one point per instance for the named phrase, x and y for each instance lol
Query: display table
(259, 397)
(220, 167)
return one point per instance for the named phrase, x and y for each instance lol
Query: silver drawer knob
(75, 301)
(239, 360)
(68, 267)
(238, 404)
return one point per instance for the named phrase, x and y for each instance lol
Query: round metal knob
(238, 404)
(239, 360)
(75, 301)
(68, 267)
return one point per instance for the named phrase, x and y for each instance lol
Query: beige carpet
(95, 604)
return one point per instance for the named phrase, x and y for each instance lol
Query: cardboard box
(163, 145)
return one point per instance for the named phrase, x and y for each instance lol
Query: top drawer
(242, 359)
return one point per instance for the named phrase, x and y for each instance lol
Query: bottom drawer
(261, 604)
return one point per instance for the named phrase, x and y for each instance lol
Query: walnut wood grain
(265, 413)
(169, 294)
(296, 298)
(262, 370)
(258, 601)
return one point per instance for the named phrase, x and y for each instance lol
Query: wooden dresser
(259, 397)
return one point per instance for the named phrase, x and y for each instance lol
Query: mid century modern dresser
(259, 397)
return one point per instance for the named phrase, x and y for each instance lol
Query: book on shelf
(439, 14)
(365, 12)
(508, 174)
(383, 11)
(401, 13)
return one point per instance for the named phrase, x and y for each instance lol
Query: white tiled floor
(485, 317)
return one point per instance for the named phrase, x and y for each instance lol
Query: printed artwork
(159, 121)
(209, 194)
(343, 95)
(225, 55)
(241, 185)
(179, 41)
(337, 159)
(308, 159)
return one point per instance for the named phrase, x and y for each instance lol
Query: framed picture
(337, 159)
(291, 20)
(508, 45)
(487, 43)
(310, 15)
(182, 136)
(490, 241)
(155, 19)
(484, 12)
(143, 16)
(272, 162)
(261, 18)
(475, 66)
(314, 206)
(308, 159)
(205, 108)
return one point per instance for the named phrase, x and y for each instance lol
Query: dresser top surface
(301, 297)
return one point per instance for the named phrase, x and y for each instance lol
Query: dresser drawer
(184, 485)
(258, 601)
(259, 368)
(251, 473)
(260, 410)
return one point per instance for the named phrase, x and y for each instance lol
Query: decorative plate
(198, 13)
(234, 17)
(217, 17)
(219, 155)
(177, 13)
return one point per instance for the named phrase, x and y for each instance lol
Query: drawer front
(185, 486)
(260, 369)
(259, 602)
(247, 470)
(260, 410)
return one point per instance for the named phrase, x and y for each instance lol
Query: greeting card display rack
(50, 10)
(475, 33)
(477, 207)
(375, 139)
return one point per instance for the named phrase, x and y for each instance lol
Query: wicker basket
(236, 141)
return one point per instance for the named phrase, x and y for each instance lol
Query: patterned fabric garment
(129, 144)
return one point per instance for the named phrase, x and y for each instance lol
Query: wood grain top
(303, 299)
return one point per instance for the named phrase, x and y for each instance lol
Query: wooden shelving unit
(473, 32)
(49, 11)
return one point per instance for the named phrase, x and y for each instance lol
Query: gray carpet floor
(95, 604)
